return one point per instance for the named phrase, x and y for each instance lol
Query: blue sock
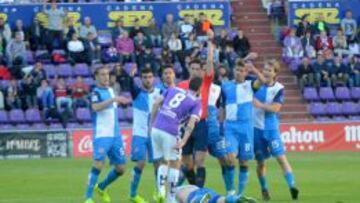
(243, 179)
(135, 181)
(230, 174)
(93, 177)
(289, 176)
(111, 177)
(263, 183)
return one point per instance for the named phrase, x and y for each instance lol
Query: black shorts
(198, 140)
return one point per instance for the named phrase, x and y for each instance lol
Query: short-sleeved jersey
(214, 95)
(265, 120)
(105, 122)
(178, 106)
(237, 100)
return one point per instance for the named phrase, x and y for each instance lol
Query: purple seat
(87, 125)
(64, 70)
(157, 52)
(339, 118)
(354, 118)
(137, 81)
(73, 126)
(128, 67)
(7, 127)
(82, 70)
(17, 116)
(32, 115)
(4, 84)
(54, 126)
(355, 93)
(334, 108)
(129, 114)
(69, 81)
(83, 114)
(317, 109)
(323, 119)
(30, 57)
(104, 39)
(157, 81)
(178, 68)
(121, 114)
(310, 94)
(50, 70)
(89, 81)
(349, 108)
(342, 93)
(127, 95)
(326, 93)
(39, 126)
(58, 51)
(23, 127)
(3, 117)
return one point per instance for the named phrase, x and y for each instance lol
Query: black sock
(200, 177)
(190, 176)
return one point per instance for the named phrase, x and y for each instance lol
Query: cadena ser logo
(352, 133)
(129, 17)
(294, 136)
(215, 16)
(74, 16)
(331, 15)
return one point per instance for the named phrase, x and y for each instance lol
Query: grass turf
(321, 178)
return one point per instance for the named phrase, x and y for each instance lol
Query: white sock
(173, 178)
(161, 179)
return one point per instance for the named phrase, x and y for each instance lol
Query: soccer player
(168, 77)
(268, 101)
(196, 147)
(237, 102)
(143, 99)
(107, 140)
(170, 111)
(194, 194)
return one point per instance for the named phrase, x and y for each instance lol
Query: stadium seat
(7, 127)
(129, 114)
(39, 126)
(50, 70)
(128, 67)
(32, 115)
(355, 93)
(69, 81)
(121, 114)
(339, 118)
(317, 109)
(349, 108)
(83, 114)
(81, 70)
(3, 117)
(64, 70)
(17, 116)
(104, 39)
(4, 84)
(30, 57)
(354, 118)
(137, 81)
(87, 125)
(89, 81)
(23, 127)
(55, 126)
(157, 52)
(178, 68)
(326, 93)
(333, 108)
(323, 119)
(311, 94)
(73, 125)
(342, 93)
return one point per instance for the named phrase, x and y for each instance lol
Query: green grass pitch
(321, 178)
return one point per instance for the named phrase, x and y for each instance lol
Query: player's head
(168, 75)
(240, 71)
(195, 68)
(271, 70)
(147, 78)
(102, 76)
(195, 84)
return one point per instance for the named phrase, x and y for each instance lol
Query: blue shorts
(240, 139)
(198, 140)
(267, 142)
(112, 147)
(201, 192)
(216, 142)
(141, 149)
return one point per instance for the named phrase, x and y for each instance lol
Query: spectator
(16, 50)
(29, 91)
(70, 29)
(55, 25)
(92, 47)
(147, 57)
(125, 47)
(135, 29)
(154, 33)
(122, 77)
(77, 53)
(186, 28)
(169, 28)
(241, 44)
(228, 58)
(115, 85)
(175, 47)
(166, 57)
(4, 73)
(87, 28)
(303, 27)
(5, 31)
(323, 42)
(349, 26)
(141, 42)
(13, 95)
(341, 73)
(2, 100)
(222, 40)
(191, 44)
(305, 74)
(223, 74)
(340, 43)
(38, 74)
(202, 27)
(118, 29)
(293, 46)
(320, 25)
(308, 45)
(354, 68)
(79, 93)
(45, 95)
(36, 35)
(110, 55)
(319, 69)
(19, 27)
(62, 96)
(354, 48)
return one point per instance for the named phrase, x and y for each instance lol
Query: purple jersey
(177, 107)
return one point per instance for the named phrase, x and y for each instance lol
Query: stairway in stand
(250, 16)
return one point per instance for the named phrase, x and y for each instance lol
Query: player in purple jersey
(174, 108)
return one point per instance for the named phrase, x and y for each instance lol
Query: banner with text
(332, 10)
(104, 15)
(22, 145)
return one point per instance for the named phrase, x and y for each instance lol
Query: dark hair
(146, 71)
(240, 63)
(195, 84)
(196, 61)
(99, 68)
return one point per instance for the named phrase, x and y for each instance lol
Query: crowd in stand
(26, 51)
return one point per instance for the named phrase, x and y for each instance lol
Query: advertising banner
(33, 144)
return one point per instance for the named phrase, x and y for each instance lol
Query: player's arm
(275, 106)
(134, 90)
(188, 130)
(97, 105)
(260, 79)
(210, 55)
(155, 108)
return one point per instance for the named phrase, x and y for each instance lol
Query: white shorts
(163, 145)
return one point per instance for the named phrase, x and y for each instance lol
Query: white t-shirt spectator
(174, 44)
(75, 46)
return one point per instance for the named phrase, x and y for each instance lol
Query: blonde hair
(275, 64)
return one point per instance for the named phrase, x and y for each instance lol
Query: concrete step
(294, 115)
(252, 16)
(293, 99)
(287, 79)
(266, 49)
(256, 29)
(294, 108)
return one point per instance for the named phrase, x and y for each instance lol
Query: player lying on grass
(194, 194)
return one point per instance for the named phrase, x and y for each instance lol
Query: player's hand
(250, 66)
(133, 71)
(179, 145)
(122, 100)
(258, 104)
(252, 56)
